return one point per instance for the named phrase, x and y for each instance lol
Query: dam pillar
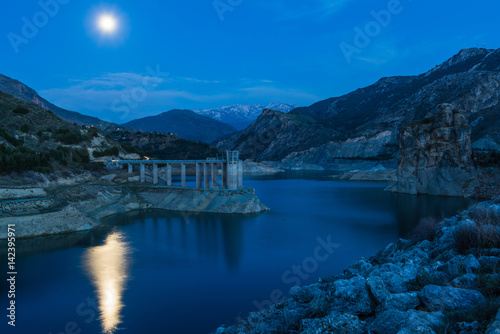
(206, 176)
(232, 176)
(155, 173)
(130, 169)
(214, 175)
(183, 175)
(233, 161)
(198, 175)
(240, 175)
(143, 173)
(169, 175)
(224, 175)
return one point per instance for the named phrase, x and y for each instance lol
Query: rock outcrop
(82, 207)
(240, 201)
(436, 155)
(251, 167)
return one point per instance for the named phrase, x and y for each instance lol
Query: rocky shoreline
(379, 174)
(445, 279)
(57, 209)
(259, 168)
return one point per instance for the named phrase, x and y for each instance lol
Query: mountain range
(361, 129)
(356, 130)
(184, 123)
(241, 116)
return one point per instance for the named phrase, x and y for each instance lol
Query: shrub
(42, 170)
(25, 128)
(107, 152)
(68, 137)
(487, 158)
(485, 215)
(81, 155)
(92, 133)
(20, 111)
(20, 159)
(425, 230)
(484, 233)
(483, 313)
(130, 149)
(489, 285)
(11, 139)
(69, 156)
(473, 238)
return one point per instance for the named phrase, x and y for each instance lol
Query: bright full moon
(107, 23)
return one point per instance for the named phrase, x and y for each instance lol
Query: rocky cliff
(436, 155)
(275, 134)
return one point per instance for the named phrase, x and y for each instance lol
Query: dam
(207, 171)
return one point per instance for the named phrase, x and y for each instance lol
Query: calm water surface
(162, 272)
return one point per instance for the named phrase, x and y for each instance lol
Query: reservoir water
(164, 272)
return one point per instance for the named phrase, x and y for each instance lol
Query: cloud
(199, 80)
(106, 96)
(119, 80)
(120, 97)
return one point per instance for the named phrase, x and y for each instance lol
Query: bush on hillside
(20, 111)
(425, 230)
(107, 152)
(68, 137)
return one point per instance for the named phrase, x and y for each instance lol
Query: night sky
(128, 59)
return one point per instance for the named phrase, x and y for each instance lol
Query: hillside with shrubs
(35, 140)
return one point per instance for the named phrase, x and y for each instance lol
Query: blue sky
(190, 54)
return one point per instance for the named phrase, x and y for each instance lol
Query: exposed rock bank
(241, 201)
(251, 167)
(379, 174)
(81, 207)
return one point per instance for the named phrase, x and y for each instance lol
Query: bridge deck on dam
(207, 171)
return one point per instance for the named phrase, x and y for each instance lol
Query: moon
(107, 23)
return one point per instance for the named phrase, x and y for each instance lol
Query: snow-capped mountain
(240, 116)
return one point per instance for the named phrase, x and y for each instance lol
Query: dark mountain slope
(364, 125)
(185, 123)
(264, 138)
(23, 92)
